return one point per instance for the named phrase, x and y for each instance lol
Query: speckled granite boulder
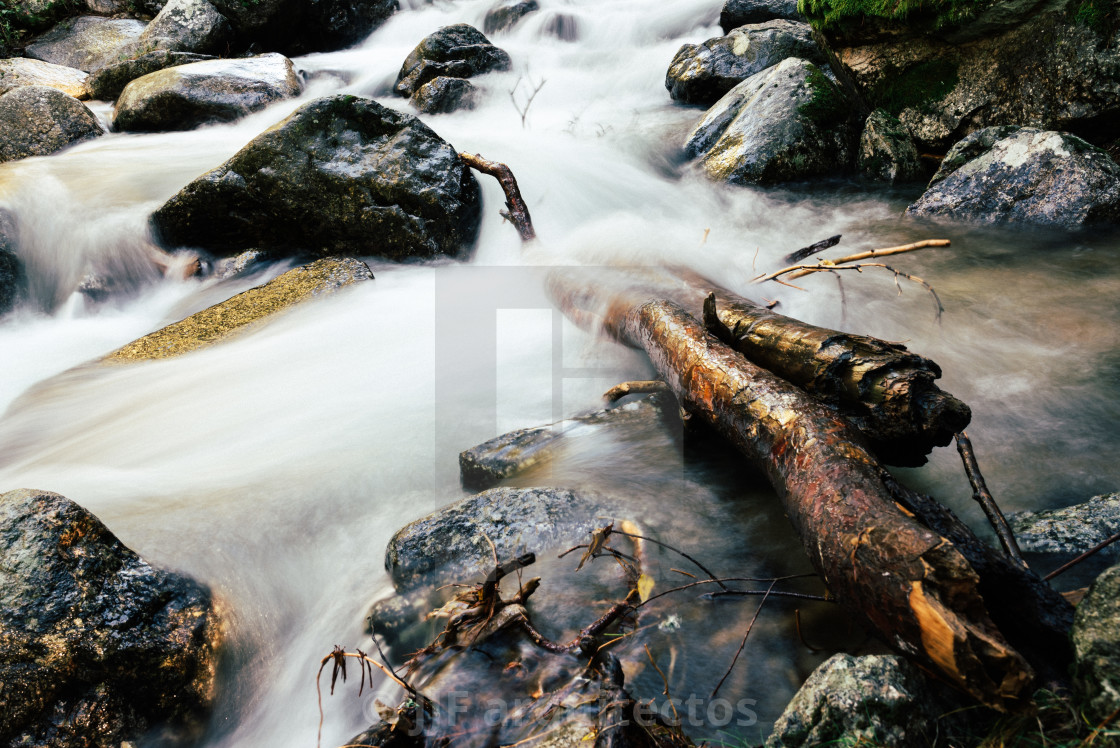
(108, 82)
(38, 120)
(736, 13)
(1071, 529)
(188, 26)
(22, 71)
(1096, 644)
(96, 646)
(87, 42)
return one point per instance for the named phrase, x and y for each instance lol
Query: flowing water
(275, 468)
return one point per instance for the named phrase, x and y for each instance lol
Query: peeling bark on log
(907, 582)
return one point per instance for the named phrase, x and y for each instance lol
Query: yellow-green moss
(934, 14)
(914, 86)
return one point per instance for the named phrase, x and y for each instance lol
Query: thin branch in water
(743, 643)
(663, 680)
(620, 391)
(679, 552)
(798, 271)
(983, 497)
(523, 109)
(518, 211)
(812, 249)
(800, 635)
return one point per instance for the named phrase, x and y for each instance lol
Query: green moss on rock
(915, 86)
(932, 14)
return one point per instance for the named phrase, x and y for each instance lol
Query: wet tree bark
(906, 580)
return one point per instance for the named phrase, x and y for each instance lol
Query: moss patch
(914, 86)
(1098, 15)
(827, 105)
(933, 14)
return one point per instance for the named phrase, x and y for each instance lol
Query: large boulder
(186, 96)
(342, 174)
(880, 700)
(1096, 670)
(886, 152)
(39, 120)
(786, 123)
(11, 269)
(736, 13)
(108, 82)
(702, 73)
(22, 71)
(245, 311)
(87, 42)
(1024, 175)
(96, 646)
(458, 51)
(301, 26)
(1069, 530)
(506, 13)
(188, 26)
(949, 69)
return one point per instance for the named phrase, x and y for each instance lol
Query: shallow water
(276, 467)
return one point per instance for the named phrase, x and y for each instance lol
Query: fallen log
(908, 583)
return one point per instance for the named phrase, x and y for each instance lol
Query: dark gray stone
(87, 42)
(880, 700)
(702, 73)
(188, 26)
(39, 120)
(448, 545)
(443, 95)
(886, 152)
(506, 13)
(108, 82)
(96, 646)
(301, 26)
(738, 13)
(1024, 175)
(11, 269)
(1096, 632)
(788, 122)
(341, 175)
(458, 51)
(1071, 529)
(186, 96)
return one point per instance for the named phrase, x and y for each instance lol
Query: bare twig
(518, 210)
(620, 391)
(678, 551)
(800, 635)
(798, 271)
(523, 109)
(983, 497)
(743, 643)
(1070, 564)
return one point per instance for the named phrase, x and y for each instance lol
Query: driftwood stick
(812, 249)
(983, 497)
(799, 271)
(1073, 562)
(620, 391)
(518, 210)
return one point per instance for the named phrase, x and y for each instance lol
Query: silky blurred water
(275, 468)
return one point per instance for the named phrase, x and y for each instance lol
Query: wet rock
(491, 462)
(1069, 530)
(448, 545)
(110, 7)
(442, 95)
(1016, 63)
(247, 262)
(87, 42)
(886, 152)
(186, 96)
(786, 123)
(1097, 657)
(1024, 175)
(563, 26)
(342, 174)
(702, 73)
(38, 120)
(302, 26)
(736, 13)
(22, 71)
(506, 13)
(458, 51)
(880, 700)
(11, 269)
(108, 82)
(188, 26)
(96, 646)
(244, 311)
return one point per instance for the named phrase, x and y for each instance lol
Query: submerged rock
(11, 269)
(96, 646)
(786, 123)
(302, 26)
(443, 95)
(244, 311)
(38, 120)
(342, 174)
(880, 700)
(448, 545)
(886, 152)
(188, 26)
(506, 13)
(1096, 668)
(87, 42)
(1024, 175)
(22, 71)
(186, 96)
(702, 73)
(458, 51)
(108, 82)
(736, 13)
(1072, 529)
